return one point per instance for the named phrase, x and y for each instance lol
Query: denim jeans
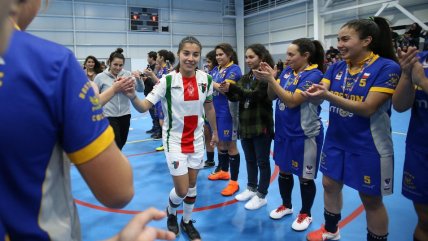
(257, 156)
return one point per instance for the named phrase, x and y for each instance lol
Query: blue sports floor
(223, 218)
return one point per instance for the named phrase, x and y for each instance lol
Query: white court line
(145, 140)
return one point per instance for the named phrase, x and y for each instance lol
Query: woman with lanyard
(165, 59)
(255, 125)
(116, 105)
(186, 94)
(358, 149)
(298, 129)
(412, 92)
(227, 119)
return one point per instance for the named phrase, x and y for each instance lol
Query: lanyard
(345, 80)
(289, 79)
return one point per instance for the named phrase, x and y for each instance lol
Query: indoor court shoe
(302, 222)
(209, 164)
(221, 175)
(230, 189)
(150, 131)
(190, 230)
(280, 212)
(245, 195)
(161, 148)
(255, 203)
(172, 223)
(322, 234)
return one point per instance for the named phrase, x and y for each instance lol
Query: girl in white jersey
(185, 94)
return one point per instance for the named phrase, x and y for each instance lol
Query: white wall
(278, 27)
(98, 27)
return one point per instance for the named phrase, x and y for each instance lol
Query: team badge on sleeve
(203, 87)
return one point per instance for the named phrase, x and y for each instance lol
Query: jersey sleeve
(328, 75)
(313, 77)
(210, 89)
(85, 133)
(234, 75)
(158, 91)
(387, 79)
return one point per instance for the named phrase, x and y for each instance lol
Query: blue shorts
(227, 131)
(367, 173)
(159, 111)
(415, 181)
(299, 156)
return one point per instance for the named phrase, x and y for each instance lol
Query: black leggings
(120, 127)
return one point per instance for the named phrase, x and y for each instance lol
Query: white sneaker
(255, 203)
(245, 195)
(302, 222)
(280, 212)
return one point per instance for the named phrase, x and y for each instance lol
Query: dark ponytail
(378, 29)
(315, 50)
(116, 54)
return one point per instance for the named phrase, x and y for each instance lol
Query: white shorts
(178, 163)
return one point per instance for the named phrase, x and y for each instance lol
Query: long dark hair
(116, 54)
(315, 50)
(168, 56)
(378, 29)
(211, 56)
(97, 66)
(186, 40)
(228, 50)
(264, 55)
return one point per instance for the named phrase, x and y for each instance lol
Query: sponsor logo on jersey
(343, 113)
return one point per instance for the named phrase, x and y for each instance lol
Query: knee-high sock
(188, 204)
(223, 160)
(307, 192)
(234, 166)
(174, 202)
(286, 183)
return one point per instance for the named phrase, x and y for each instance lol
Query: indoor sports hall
(98, 27)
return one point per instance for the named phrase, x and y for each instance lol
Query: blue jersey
(354, 133)
(417, 136)
(162, 72)
(303, 120)
(48, 107)
(232, 74)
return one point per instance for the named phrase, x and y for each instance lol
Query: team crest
(232, 76)
(387, 184)
(203, 87)
(309, 169)
(175, 164)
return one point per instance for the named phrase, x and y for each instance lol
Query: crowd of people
(83, 117)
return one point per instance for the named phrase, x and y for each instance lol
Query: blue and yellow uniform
(226, 113)
(298, 131)
(48, 110)
(415, 182)
(358, 150)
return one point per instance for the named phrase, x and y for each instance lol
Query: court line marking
(342, 223)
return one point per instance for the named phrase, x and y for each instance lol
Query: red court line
(275, 173)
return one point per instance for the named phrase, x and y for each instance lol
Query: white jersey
(183, 105)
